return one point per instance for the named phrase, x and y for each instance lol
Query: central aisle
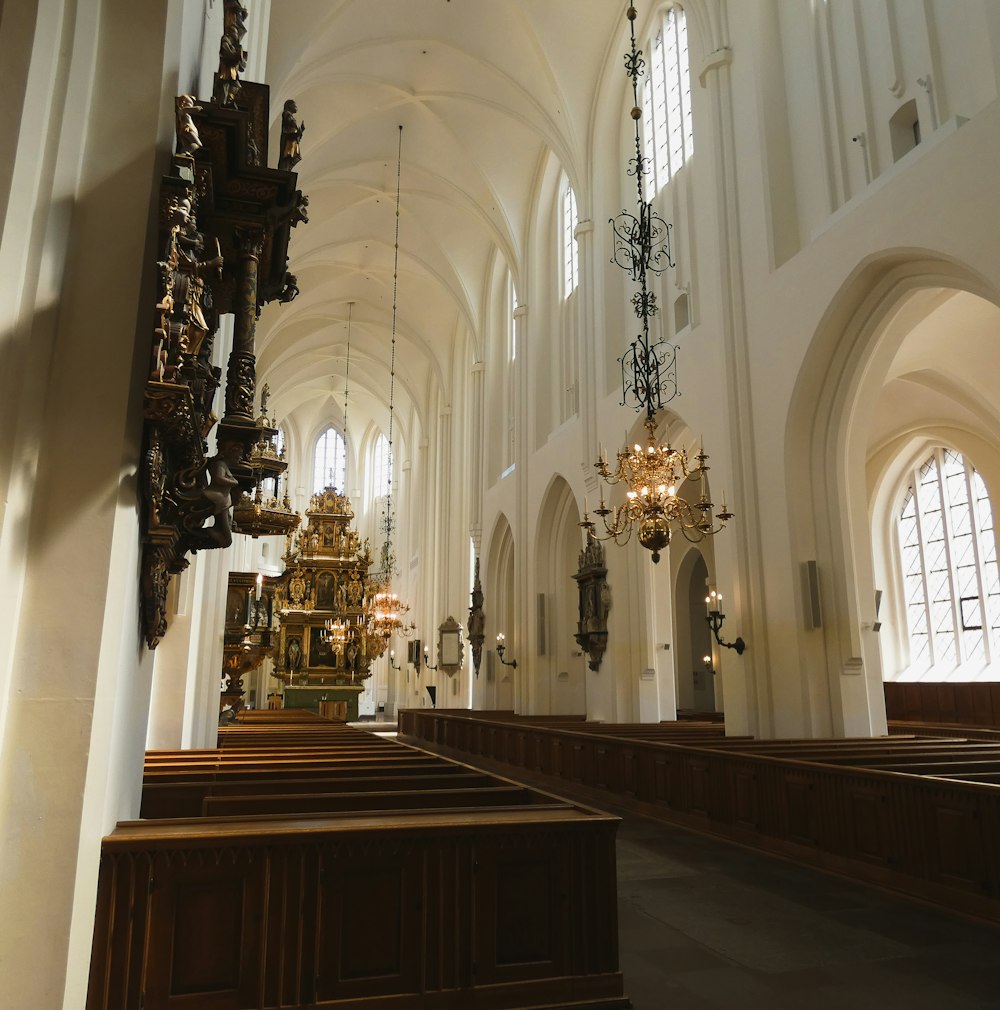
(708, 926)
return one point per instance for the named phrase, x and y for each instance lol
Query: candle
(585, 509)
(260, 583)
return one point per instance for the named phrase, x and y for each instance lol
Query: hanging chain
(347, 371)
(388, 561)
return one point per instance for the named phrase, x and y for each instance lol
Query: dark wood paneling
(958, 703)
(875, 809)
(486, 904)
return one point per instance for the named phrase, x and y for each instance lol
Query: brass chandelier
(654, 473)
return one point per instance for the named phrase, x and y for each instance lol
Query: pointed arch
(827, 433)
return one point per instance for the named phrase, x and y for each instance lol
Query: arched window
(949, 566)
(666, 101)
(279, 443)
(380, 468)
(330, 461)
(570, 253)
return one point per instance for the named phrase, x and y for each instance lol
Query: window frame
(569, 247)
(667, 121)
(319, 478)
(937, 519)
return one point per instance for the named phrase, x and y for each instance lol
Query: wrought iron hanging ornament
(641, 244)
(387, 564)
(387, 610)
(654, 473)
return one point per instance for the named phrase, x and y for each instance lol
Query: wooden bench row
(340, 869)
(817, 802)
(925, 755)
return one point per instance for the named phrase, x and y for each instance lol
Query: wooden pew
(328, 871)
(890, 811)
(187, 798)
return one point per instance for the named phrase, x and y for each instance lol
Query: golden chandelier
(652, 503)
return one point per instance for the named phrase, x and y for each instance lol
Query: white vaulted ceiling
(487, 91)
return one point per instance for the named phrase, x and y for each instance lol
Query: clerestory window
(571, 256)
(668, 131)
(380, 468)
(330, 461)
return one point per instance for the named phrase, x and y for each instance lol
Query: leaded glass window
(668, 129)
(948, 553)
(330, 461)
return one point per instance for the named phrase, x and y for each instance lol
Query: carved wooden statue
(595, 602)
(477, 621)
(291, 137)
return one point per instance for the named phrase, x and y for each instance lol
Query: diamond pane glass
(666, 101)
(948, 560)
(330, 461)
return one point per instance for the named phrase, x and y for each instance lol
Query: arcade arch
(893, 371)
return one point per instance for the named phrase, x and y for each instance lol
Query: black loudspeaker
(810, 587)
(541, 624)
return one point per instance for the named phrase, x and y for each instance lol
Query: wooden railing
(956, 703)
(927, 836)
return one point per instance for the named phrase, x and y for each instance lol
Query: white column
(75, 687)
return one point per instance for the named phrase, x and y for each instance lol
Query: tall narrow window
(666, 102)
(950, 578)
(512, 322)
(571, 258)
(380, 468)
(330, 461)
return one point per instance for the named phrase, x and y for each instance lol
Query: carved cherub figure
(300, 213)
(219, 494)
(188, 139)
(290, 290)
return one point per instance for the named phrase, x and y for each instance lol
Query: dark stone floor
(708, 925)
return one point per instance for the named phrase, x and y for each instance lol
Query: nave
(169, 225)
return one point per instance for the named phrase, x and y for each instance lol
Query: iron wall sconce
(715, 620)
(392, 660)
(501, 649)
(427, 658)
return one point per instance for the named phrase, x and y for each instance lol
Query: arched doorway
(696, 691)
(498, 689)
(558, 682)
